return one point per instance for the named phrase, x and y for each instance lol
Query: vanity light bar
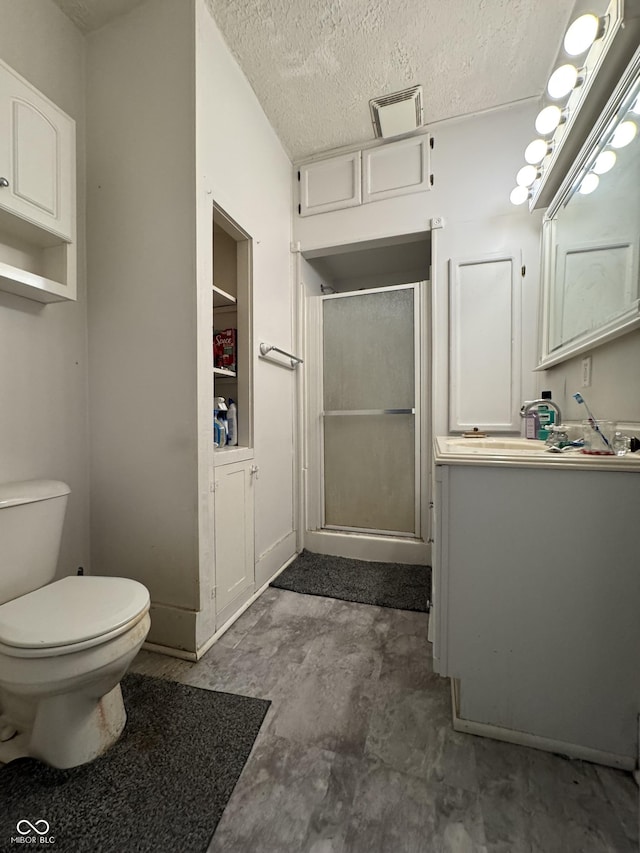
(608, 42)
(614, 131)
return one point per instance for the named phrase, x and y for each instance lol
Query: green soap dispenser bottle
(546, 417)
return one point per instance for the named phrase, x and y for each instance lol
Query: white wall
(43, 348)
(614, 393)
(243, 167)
(142, 301)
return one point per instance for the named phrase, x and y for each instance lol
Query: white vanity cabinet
(347, 180)
(537, 595)
(37, 156)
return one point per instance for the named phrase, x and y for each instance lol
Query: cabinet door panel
(233, 533)
(330, 184)
(485, 345)
(37, 157)
(397, 168)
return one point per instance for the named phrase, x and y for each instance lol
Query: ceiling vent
(393, 115)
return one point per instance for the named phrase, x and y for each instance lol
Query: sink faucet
(529, 404)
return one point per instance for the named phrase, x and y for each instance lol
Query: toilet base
(72, 729)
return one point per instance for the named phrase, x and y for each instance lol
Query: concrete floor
(357, 753)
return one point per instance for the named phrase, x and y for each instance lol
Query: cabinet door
(330, 184)
(37, 157)
(396, 168)
(485, 344)
(233, 533)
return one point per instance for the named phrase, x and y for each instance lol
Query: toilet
(64, 645)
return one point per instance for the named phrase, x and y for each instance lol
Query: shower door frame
(419, 295)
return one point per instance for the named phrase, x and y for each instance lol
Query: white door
(371, 411)
(37, 157)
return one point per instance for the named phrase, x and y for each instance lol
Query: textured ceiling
(314, 64)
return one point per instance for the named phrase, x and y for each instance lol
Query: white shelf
(221, 298)
(221, 371)
(228, 455)
(37, 287)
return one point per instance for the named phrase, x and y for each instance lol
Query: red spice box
(225, 349)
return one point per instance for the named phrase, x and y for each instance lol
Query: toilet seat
(69, 615)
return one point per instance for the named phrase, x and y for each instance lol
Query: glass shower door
(370, 349)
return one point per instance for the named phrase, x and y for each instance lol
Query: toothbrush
(594, 424)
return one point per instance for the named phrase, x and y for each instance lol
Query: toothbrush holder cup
(598, 437)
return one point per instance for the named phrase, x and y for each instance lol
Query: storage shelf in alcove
(221, 298)
(221, 371)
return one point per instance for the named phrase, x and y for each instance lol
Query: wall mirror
(591, 235)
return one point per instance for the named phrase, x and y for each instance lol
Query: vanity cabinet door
(37, 157)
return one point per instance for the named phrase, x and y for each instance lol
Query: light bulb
(623, 134)
(605, 160)
(562, 81)
(548, 119)
(581, 34)
(526, 176)
(589, 183)
(536, 151)
(519, 195)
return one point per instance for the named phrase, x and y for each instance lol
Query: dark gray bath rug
(161, 788)
(396, 585)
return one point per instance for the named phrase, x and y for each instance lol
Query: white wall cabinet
(37, 193)
(234, 527)
(397, 168)
(37, 156)
(330, 184)
(391, 169)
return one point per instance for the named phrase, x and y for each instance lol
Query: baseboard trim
(182, 654)
(270, 562)
(204, 648)
(571, 750)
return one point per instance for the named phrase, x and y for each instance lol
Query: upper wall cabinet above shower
(37, 193)
(358, 177)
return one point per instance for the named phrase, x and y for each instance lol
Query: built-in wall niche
(232, 309)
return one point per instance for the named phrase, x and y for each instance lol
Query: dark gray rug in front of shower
(161, 788)
(395, 585)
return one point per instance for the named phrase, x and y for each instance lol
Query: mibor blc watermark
(33, 832)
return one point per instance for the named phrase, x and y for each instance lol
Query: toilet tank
(31, 519)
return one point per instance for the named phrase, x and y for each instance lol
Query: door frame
(365, 543)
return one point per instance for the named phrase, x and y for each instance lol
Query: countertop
(523, 453)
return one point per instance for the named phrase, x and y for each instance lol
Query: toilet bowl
(64, 645)
(63, 651)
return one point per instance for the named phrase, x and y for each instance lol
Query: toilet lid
(70, 611)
